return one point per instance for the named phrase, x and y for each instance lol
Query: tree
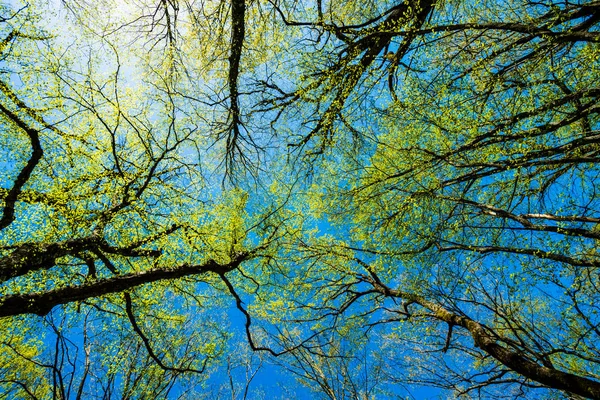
(102, 196)
(157, 173)
(473, 201)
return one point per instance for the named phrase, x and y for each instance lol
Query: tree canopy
(377, 199)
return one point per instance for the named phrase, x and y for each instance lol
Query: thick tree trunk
(511, 358)
(41, 303)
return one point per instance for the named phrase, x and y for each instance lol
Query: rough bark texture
(42, 302)
(511, 358)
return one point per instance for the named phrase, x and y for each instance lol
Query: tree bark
(511, 358)
(41, 303)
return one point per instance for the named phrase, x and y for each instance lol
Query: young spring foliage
(379, 197)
